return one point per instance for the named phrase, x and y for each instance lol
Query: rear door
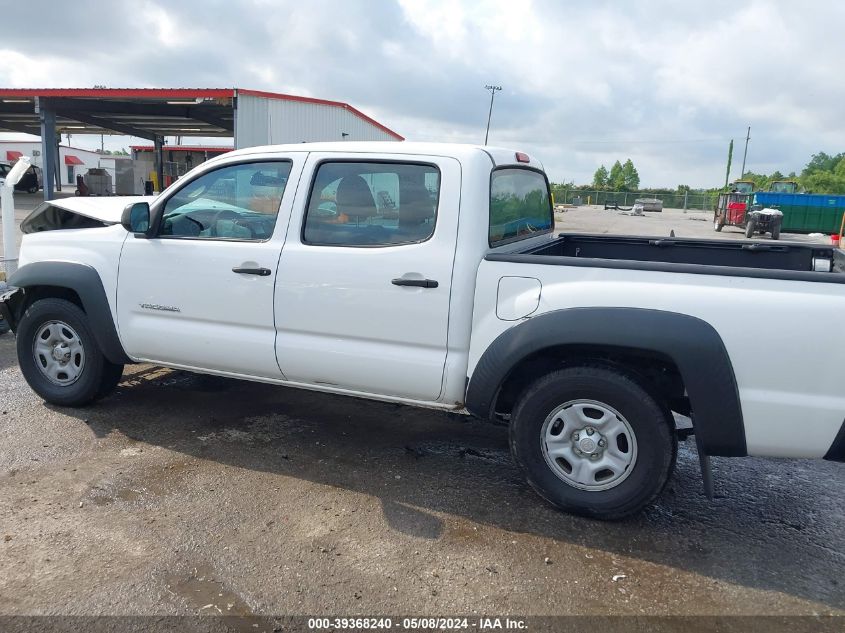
(200, 293)
(362, 298)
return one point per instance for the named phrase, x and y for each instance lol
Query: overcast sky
(667, 84)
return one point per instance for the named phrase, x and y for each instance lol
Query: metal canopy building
(252, 117)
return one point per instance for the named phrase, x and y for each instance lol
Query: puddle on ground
(123, 494)
(152, 482)
(206, 595)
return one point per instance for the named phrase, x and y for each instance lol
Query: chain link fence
(690, 201)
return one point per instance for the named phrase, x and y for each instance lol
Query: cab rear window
(520, 205)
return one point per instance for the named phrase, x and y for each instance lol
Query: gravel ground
(184, 494)
(594, 219)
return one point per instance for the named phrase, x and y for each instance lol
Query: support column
(158, 154)
(48, 149)
(59, 162)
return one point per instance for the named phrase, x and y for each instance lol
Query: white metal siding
(32, 150)
(263, 121)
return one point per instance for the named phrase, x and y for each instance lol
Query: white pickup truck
(430, 275)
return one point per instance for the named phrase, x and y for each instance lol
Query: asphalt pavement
(185, 494)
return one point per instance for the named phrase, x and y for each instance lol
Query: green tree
(616, 181)
(822, 162)
(823, 182)
(600, 178)
(561, 191)
(630, 176)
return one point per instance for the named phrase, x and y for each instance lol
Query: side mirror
(136, 219)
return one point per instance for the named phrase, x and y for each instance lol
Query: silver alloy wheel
(589, 445)
(59, 353)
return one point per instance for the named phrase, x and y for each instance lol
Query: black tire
(750, 228)
(652, 425)
(97, 376)
(4, 327)
(111, 379)
(776, 231)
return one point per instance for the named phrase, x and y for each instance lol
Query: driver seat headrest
(355, 199)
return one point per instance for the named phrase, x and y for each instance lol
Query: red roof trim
(182, 148)
(70, 159)
(336, 104)
(13, 155)
(116, 93)
(181, 93)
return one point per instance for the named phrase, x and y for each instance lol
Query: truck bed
(781, 260)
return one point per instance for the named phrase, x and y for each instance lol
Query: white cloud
(667, 84)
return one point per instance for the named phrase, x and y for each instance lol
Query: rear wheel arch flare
(692, 344)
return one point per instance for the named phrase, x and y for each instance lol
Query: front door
(200, 293)
(362, 298)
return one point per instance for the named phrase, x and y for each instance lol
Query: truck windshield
(520, 205)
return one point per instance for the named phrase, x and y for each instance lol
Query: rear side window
(520, 205)
(372, 204)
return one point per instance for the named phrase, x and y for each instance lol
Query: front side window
(520, 205)
(239, 202)
(372, 204)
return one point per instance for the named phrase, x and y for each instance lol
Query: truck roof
(498, 155)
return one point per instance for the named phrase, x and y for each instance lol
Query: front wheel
(776, 231)
(592, 441)
(750, 227)
(59, 356)
(719, 223)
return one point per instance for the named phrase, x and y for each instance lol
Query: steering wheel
(228, 214)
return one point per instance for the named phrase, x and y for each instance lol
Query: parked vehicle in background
(736, 209)
(31, 181)
(783, 186)
(742, 186)
(430, 275)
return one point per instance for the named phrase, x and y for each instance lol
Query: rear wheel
(592, 441)
(59, 356)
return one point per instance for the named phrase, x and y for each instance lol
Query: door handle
(261, 272)
(419, 283)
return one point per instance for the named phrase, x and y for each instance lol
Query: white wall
(264, 121)
(32, 149)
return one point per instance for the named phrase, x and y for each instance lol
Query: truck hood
(65, 213)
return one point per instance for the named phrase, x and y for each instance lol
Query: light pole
(745, 153)
(492, 90)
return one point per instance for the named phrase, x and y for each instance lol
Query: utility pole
(492, 90)
(745, 153)
(730, 160)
